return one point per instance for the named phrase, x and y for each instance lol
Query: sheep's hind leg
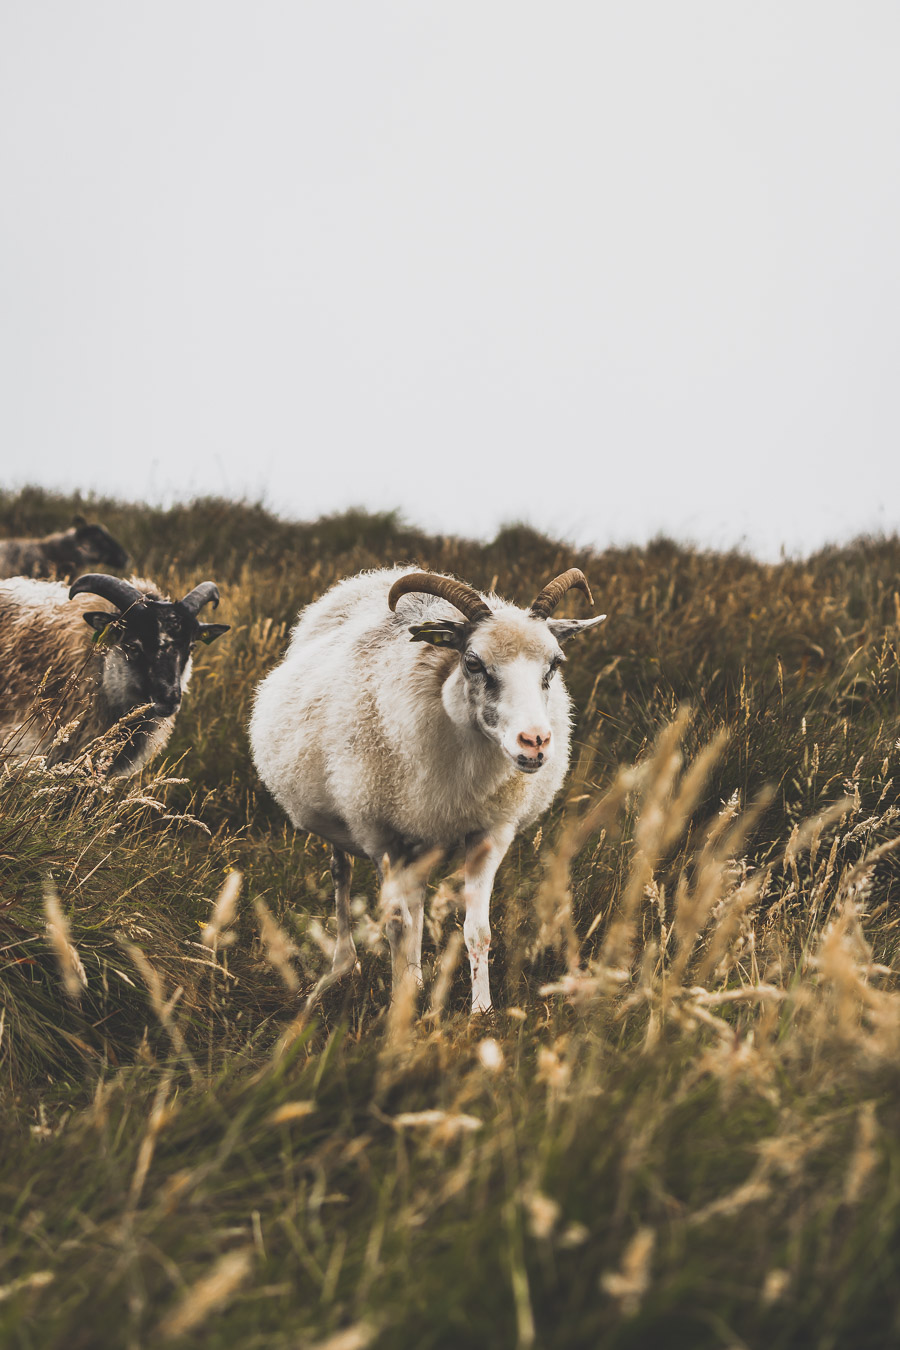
(417, 914)
(345, 949)
(403, 907)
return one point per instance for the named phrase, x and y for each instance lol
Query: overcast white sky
(610, 268)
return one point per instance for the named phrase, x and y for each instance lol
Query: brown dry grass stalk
(164, 1008)
(71, 969)
(280, 949)
(224, 913)
(208, 1295)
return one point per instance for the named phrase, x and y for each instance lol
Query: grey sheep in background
(62, 554)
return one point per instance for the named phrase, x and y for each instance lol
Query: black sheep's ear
(210, 631)
(441, 633)
(79, 522)
(106, 626)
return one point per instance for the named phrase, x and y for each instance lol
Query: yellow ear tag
(433, 635)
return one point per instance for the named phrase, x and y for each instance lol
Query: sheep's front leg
(484, 854)
(344, 958)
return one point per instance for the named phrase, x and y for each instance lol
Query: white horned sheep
(65, 661)
(387, 745)
(62, 554)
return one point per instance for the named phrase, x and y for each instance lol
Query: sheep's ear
(79, 522)
(441, 633)
(210, 631)
(563, 629)
(104, 624)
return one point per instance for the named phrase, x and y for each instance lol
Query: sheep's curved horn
(206, 593)
(120, 593)
(544, 604)
(466, 600)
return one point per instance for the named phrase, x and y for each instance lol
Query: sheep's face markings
(483, 692)
(149, 661)
(506, 670)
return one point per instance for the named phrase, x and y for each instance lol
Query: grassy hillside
(680, 1127)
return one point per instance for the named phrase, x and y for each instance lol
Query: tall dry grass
(680, 1125)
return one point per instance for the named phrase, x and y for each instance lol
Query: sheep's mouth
(166, 708)
(525, 765)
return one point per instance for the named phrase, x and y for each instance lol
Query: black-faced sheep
(65, 661)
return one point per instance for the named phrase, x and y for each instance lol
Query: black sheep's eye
(473, 664)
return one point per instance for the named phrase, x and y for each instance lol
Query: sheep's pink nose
(534, 743)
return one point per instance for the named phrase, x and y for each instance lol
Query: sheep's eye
(473, 664)
(552, 669)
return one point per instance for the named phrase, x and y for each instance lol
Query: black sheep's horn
(118, 592)
(204, 594)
